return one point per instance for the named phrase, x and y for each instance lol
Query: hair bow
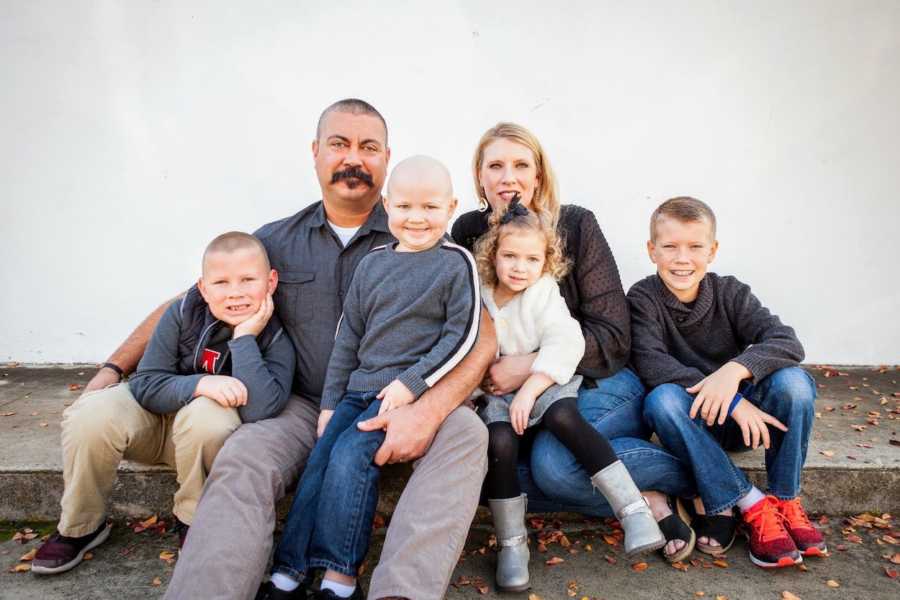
(513, 210)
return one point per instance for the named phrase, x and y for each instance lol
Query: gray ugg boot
(642, 534)
(512, 561)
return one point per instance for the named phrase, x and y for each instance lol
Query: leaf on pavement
(74, 387)
(7, 414)
(638, 567)
(789, 596)
(156, 582)
(832, 583)
(722, 564)
(826, 453)
(892, 573)
(554, 560)
(20, 568)
(29, 555)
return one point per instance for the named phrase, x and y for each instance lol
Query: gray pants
(230, 541)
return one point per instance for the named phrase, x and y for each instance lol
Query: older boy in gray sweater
(411, 314)
(722, 369)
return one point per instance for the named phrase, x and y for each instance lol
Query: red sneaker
(770, 543)
(808, 539)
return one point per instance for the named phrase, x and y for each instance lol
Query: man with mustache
(315, 252)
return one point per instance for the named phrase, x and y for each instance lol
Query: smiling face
(507, 168)
(351, 157)
(235, 283)
(519, 262)
(682, 251)
(418, 214)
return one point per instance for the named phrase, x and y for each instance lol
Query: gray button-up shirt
(314, 273)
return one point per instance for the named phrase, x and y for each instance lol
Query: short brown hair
(683, 209)
(236, 240)
(555, 261)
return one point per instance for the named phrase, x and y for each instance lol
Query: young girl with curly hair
(520, 260)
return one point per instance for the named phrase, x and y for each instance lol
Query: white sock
(342, 590)
(752, 497)
(284, 582)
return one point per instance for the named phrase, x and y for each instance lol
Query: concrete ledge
(851, 466)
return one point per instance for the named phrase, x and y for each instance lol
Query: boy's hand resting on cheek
(716, 391)
(324, 417)
(227, 391)
(394, 395)
(753, 423)
(256, 322)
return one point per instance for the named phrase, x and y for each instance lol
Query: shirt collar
(377, 220)
(701, 305)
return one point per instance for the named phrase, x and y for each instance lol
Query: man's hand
(715, 392)
(409, 431)
(324, 417)
(520, 410)
(227, 391)
(507, 374)
(256, 322)
(103, 378)
(394, 395)
(753, 423)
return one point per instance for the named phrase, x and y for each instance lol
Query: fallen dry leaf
(20, 568)
(610, 559)
(74, 387)
(826, 453)
(44, 424)
(789, 596)
(699, 594)
(894, 442)
(534, 597)
(720, 597)
(29, 555)
(554, 560)
(7, 414)
(166, 555)
(895, 558)
(156, 582)
(832, 583)
(638, 567)
(610, 540)
(680, 566)
(722, 564)
(892, 573)
(146, 524)
(88, 556)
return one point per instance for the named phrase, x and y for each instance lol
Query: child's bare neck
(502, 296)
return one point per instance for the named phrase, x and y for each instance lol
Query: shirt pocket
(293, 288)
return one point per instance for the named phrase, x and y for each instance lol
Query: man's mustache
(352, 173)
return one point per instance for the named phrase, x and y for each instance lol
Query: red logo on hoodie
(209, 360)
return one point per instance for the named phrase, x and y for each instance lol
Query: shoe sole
(816, 551)
(101, 537)
(684, 552)
(646, 548)
(716, 550)
(518, 588)
(784, 561)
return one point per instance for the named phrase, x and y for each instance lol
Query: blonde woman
(509, 161)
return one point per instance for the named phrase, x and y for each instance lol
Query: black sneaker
(267, 591)
(330, 595)
(60, 553)
(182, 530)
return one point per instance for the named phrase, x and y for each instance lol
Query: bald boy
(411, 315)
(217, 358)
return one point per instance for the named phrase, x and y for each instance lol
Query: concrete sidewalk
(853, 464)
(132, 566)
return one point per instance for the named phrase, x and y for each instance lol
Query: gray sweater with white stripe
(411, 316)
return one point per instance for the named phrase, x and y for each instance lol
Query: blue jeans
(330, 522)
(787, 394)
(555, 481)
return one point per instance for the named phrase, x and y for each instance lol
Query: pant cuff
(290, 572)
(82, 529)
(730, 504)
(343, 569)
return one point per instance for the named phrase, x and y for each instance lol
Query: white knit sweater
(539, 320)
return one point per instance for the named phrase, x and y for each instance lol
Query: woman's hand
(508, 374)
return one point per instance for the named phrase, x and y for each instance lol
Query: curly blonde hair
(555, 261)
(546, 195)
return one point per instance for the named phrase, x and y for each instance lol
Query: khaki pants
(231, 539)
(103, 427)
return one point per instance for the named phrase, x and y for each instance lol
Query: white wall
(132, 132)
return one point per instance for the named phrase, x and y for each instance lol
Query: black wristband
(114, 367)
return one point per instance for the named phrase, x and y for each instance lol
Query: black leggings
(590, 448)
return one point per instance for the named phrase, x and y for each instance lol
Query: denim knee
(791, 392)
(553, 466)
(666, 403)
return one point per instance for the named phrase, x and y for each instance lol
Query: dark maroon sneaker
(808, 539)
(60, 553)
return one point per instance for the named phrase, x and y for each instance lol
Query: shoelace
(794, 513)
(767, 520)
